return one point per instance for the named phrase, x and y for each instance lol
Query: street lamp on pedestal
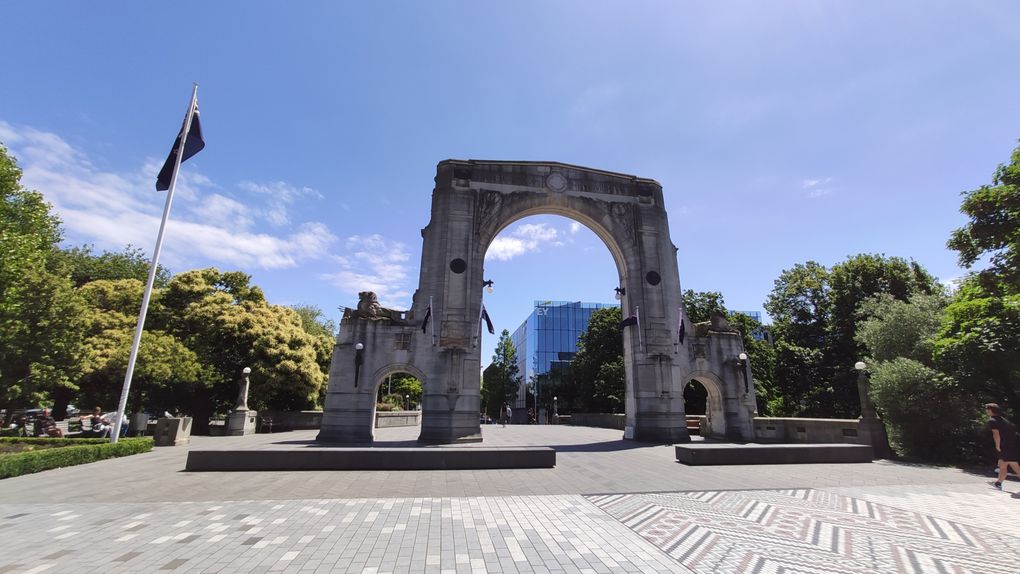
(870, 424)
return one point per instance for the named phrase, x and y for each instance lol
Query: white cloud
(281, 195)
(373, 263)
(115, 209)
(809, 183)
(817, 187)
(574, 227)
(505, 248)
(526, 237)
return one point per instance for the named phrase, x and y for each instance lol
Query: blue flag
(192, 145)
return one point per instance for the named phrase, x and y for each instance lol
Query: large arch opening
(553, 271)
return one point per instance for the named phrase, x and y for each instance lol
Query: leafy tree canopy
(131, 263)
(601, 386)
(992, 231)
(41, 329)
(501, 380)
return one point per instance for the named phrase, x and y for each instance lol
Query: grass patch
(20, 456)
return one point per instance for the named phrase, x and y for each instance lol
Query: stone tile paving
(589, 461)
(490, 534)
(609, 506)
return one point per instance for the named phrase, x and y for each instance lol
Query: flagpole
(637, 315)
(136, 342)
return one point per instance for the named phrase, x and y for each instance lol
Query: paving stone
(610, 506)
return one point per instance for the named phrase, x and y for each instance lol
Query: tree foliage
(701, 304)
(979, 342)
(401, 389)
(923, 407)
(85, 266)
(925, 412)
(816, 311)
(501, 380)
(597, 367)
(41, 330)
(992, 231)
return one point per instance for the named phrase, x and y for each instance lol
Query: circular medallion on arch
(653, 278)
(556, 182)
(458, 266)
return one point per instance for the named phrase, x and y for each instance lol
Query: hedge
(79, 451)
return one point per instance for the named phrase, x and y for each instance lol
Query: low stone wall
(387, 419)
(776, 429)
(292, 420)
(601, 420)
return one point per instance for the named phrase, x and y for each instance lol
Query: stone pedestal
(241, 423)
(873, 430)
(173, 431)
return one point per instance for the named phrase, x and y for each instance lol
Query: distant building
(547, 340)
(760, 334)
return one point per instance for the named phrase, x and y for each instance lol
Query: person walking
(1007, 442)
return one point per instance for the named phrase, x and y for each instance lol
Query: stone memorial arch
(438, 339)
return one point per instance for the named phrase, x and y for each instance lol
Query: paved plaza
(608, 506)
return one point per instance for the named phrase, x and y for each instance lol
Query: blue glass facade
(547, 339)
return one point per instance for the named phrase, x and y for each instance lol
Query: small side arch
(715, 410)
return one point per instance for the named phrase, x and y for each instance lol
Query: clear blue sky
(781, 132)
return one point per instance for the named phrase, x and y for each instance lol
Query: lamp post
(359, 358)
(620, 292)
(556, 414)
(407, 402)
(742, 365)
(488, 286)
(870, 423)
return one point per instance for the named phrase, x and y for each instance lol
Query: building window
(402, 341)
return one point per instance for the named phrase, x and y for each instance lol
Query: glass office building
(547, 340)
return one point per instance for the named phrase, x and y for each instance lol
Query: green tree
(924, 412)
(992, 231)
(131, 263)
(597, 366)
(323, 333)
(501, 380)
(167, 373)
(980, 337)
(701, 304)
(229, 325)
(979, 343)
(899, 338)
(401, 389)
(762, 355)
(41, 330)
(815, 312)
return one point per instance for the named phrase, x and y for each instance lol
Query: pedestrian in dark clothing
(1007, 442)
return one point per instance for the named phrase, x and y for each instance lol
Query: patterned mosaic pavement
(812, 531)
(935, 529)
(142, 514)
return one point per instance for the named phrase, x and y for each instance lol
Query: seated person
(101, 425)
(48, 426)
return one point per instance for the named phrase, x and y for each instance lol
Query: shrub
(926, 412)
(71, 452)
